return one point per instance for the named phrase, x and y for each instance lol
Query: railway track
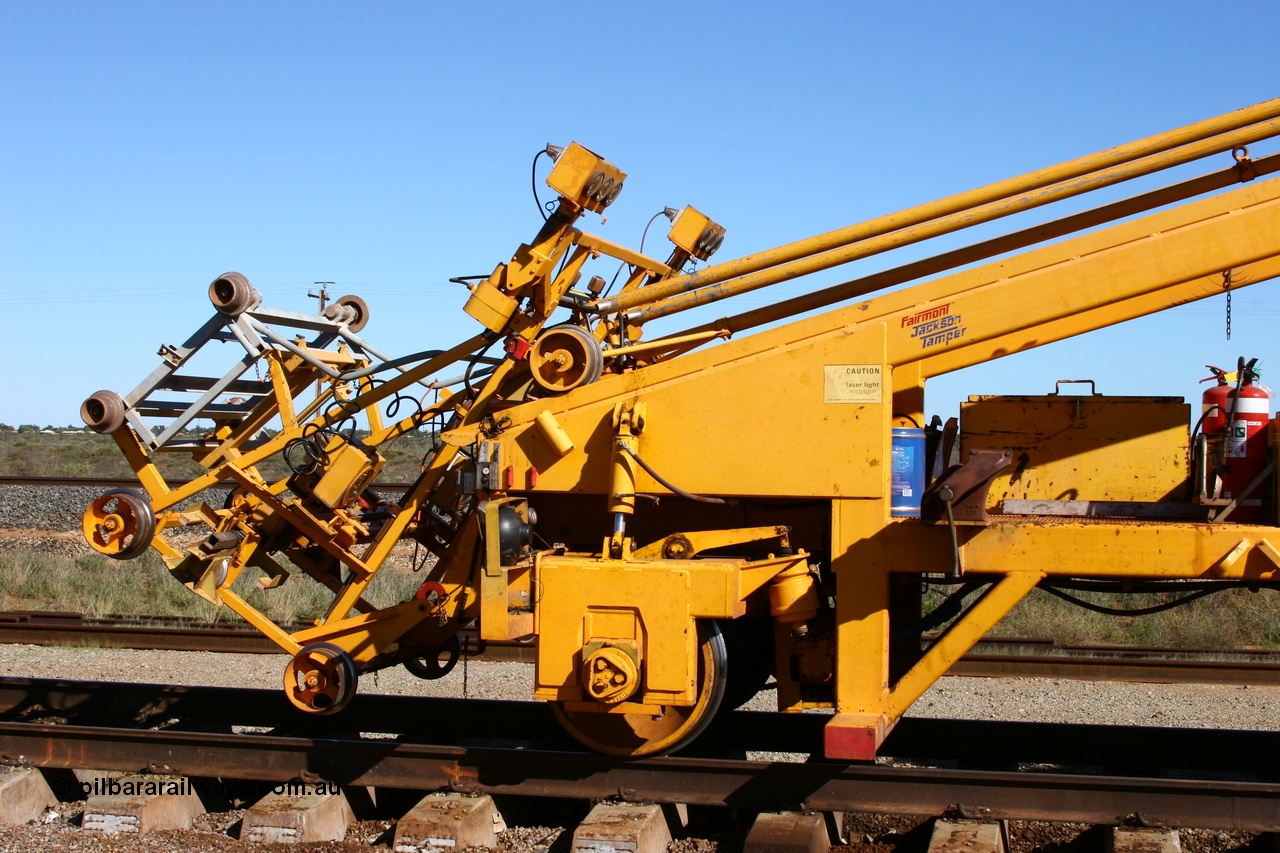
(995, 657)
(1090, 774)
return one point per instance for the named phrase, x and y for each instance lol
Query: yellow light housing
(696, 234)
(586, 179)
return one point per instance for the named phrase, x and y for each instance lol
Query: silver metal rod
(266, 330)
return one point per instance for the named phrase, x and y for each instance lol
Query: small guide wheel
(565, 357)
(321, 679)
(232, 294)
(120, 524)
(359, 311)
(103, 412)
(439, 663)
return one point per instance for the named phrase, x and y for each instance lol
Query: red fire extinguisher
(1235, 422)
(1214, 402)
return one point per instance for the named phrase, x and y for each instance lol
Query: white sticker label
(1237, 441)
(852, 383)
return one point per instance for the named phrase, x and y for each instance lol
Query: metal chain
(1226, 285)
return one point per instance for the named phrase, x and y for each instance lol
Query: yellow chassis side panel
(651, 603)
(704, 409)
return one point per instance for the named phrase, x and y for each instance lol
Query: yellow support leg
(960, 638)
(862, 631)
(867, 707)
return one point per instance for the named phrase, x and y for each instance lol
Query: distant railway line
(996, 657)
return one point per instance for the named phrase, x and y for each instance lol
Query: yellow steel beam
(289, 376)
(622, 253)
(394, 386)
(1227, 127)
(1063, 288)
(944, 225)
(1064, 283)
(1036, 234)
(140, 461)
(861, 564)
(366, 635)
(1118, 549)
(426, 482)
(959, 639)
(1142, 305)
(247, 612)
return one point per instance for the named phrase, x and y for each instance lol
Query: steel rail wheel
(635, 735)
(321, 679)
(565, 357)
(358, 308)
(103, 412)
(439, 663)
(232, 294)
(119, 524)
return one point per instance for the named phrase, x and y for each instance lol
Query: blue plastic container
(908, 471)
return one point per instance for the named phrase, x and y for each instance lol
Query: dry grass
(98, 586)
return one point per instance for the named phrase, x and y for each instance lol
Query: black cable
(1121, 611)
(533, 182)
(349, 408)
(672, 488)
(643, 235)
(314, 455)
(393, 408)
(315, 438)
(387, 365)
(392, 412)
(471, 366)
(613, 280)
(944, 612)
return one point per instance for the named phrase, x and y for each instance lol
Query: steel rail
(1126, 669)
(816, 786)
(161, 633)
(1126, 750)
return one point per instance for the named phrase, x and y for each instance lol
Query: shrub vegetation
(30, 452)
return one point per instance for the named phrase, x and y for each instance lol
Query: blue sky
(147, 147)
